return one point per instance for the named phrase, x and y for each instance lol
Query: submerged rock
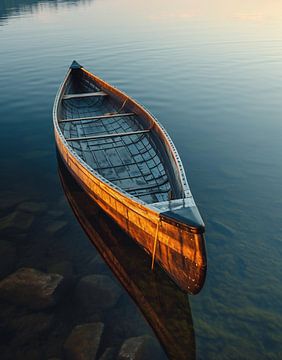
(98, 265)
(18, 220)
(7, 258)
(140, 348)
(32, 288)
(97, 292)
(83, 342)
(126, 322)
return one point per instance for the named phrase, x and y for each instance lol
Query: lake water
(211, 72)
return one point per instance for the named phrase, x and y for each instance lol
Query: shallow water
(211, 72)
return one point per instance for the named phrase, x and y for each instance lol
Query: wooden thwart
(83, 95)
(96, 137)
(96, 117)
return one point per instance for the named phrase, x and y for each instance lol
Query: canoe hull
(180, 252)
(154, 293)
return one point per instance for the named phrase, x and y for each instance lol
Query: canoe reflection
(163, 304)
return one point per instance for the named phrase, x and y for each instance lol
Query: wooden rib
(96, 117)
(107, 135)
(83, 95)
(145, 187)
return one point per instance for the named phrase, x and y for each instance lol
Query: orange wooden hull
(181, 253)
(175, 241)
(156, 295)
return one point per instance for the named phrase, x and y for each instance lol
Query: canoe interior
(137, 163)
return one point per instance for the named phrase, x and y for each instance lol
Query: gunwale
(177, 245)
(157, 126)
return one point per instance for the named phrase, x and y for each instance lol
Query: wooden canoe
(125, 160)
(162, 303)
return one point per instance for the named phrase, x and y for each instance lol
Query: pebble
(97, 292)
(84, 341)
(139, 348)
(32, 288)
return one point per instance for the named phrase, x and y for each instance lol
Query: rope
(122, 106)
(155, 245)
(119, 110)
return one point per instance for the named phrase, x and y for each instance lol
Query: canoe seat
(84, 95)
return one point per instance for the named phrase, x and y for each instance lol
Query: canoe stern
(186, 216)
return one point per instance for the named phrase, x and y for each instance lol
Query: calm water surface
(211, 71)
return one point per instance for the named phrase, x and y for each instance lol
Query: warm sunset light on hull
(170, 230)
(154, 292)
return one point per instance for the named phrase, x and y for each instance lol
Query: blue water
(211, 72)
